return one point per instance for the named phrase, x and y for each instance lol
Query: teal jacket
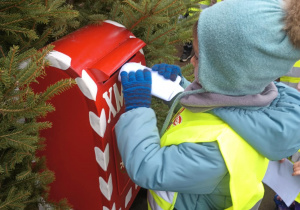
(197, 171)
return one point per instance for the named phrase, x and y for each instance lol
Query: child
(188, 46)
(204, 160)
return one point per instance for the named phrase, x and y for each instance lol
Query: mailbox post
(80, 146)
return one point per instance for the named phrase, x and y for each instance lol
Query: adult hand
(136, 89)
(167, 71)
(298, 87)
(296, 168)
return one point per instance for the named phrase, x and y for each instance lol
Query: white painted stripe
(114, 23)
(59, 60)
(142, 51)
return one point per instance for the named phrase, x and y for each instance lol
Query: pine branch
(167, 32)
(14, 199)
(20, 144)
(57, 88)
(134, 6)
(160, 11)
(15, 5)
(157, 4)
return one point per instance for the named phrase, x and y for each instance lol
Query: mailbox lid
(103, 48)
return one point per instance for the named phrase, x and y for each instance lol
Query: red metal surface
(80, 145)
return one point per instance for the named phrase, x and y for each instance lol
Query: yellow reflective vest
(245, 165)
(203, 5)
(293, 77)
(206, 3)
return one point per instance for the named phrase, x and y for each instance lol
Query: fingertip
(124, 76)
(173, 77)
(162, 68)
(167, 72)
(131, 76)
(147, 75)
(155, 67)
(139, 75)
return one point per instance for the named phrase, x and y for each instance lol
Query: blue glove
(167, 71)
(136, 89)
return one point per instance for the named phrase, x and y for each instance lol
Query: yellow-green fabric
(298, 198)
(290, 79)
(207, 2)
(160, 201)
(297, 64)
(246, 166)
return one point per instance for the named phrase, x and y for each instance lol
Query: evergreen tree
(156, 22)
(27, 28)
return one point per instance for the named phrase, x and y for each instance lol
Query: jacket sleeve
(274, 130)
(187, 168)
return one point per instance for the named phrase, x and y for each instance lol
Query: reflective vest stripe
(167, 196)
(161, 200)
(206, 3)
(297, 64)
(152, 204)
(290, 79)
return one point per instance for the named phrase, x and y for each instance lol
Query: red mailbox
(80, 146)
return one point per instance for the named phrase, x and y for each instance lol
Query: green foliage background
(27, 28)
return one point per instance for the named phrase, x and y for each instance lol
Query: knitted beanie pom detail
(292, 21)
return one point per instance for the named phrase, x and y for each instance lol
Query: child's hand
(296, 168)
(136, 89)
(167, 71)
(278, 198)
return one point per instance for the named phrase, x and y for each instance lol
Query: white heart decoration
(87, 85)
(106, 187)
(102, 158)
(98, 123)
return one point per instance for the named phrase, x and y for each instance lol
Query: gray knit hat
(246, 44)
